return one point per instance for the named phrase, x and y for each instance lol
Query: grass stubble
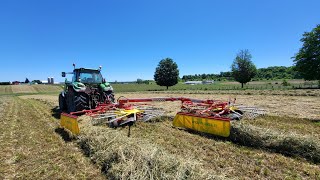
(158, 151)
(30, 148)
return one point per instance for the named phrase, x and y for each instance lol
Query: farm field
(30, 147)
(223, 87)
(256, 150)
(220, 86)
(31, 89)
(304, 106)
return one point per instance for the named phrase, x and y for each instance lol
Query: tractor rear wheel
(77, 101)
(81, 101)
(62, 103)
(70, 102)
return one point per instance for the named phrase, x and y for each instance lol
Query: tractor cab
(87, 76)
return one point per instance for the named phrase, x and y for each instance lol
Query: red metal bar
(182, 99)
(123, 101)
(69, 115)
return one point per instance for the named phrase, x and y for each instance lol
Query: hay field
(5, 89)
(30, 89)
(23, 89)
(47, 88)
(276, 105)
(282, 145)
(31, 148)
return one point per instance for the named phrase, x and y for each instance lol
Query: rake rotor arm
(137, 100)
(163, 99)
(210, 104)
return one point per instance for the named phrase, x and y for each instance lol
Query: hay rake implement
(209, 116)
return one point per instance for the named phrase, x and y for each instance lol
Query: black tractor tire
(81, 101)
(70, 102)
(77, 101)
(110, 96)
(62, 103)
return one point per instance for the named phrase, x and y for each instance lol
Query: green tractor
(86, 90)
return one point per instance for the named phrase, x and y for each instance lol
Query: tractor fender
(106, 87)
(78, 87)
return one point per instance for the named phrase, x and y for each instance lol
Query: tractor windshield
(90, 77)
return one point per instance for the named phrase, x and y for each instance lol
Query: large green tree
(167, 73)
(243, 70)
(307, 60)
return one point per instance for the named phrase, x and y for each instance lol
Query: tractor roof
(82, 69)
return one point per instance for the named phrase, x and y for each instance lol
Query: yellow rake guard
(212, 125)
(70, 122)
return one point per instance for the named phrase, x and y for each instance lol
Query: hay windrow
(122, 157)
(288, 144)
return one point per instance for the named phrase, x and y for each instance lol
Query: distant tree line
(200, 77)
(5, 83)
(141, 81)
(269, 73)
(278, 72)
(27, 81)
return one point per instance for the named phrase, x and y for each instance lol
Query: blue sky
(128, 38)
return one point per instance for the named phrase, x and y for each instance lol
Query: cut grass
(196, 153)
(29, 89)
(217, 86)
(23, 89)
(223, 156)
(47, 88)
(30, 148)
(287, 125)
(135, 158)
(291, 144)
(5, 89)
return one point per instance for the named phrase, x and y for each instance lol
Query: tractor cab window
(90, 77)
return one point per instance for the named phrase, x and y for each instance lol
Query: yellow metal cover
(216, 126)
(70, 122)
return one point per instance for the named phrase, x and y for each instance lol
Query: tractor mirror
(103, 80)
(63, 74)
